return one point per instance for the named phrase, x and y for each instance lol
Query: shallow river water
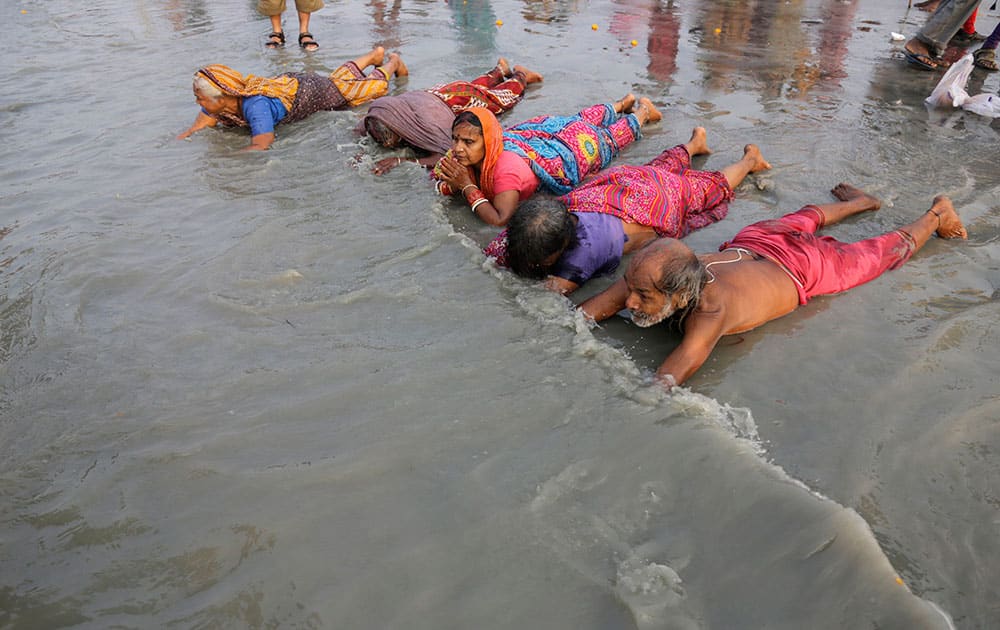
(273, 390)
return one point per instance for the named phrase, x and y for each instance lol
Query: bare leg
(278, 39)
(646, 113)
(625, 104)
(374, 58)
(504, 67)
(941, 219)
(306, 40)
(529, 76)
(395, 66)
(924, 52)
(698, 144)
(752, 162)
(852, 201)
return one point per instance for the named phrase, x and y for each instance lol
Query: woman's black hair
(468, 118)
(539, 229)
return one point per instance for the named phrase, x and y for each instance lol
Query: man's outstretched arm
(701, 333)
(607, 302)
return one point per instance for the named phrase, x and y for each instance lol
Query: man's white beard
(645, 321)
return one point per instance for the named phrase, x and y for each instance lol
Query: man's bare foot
(377, 56)
(401, 69)
(529, 76)
(920, 54)
(949, 225)
(928, 5)
(847, 192)
(698, 144)
(625, 104)
(646, 113)
(752, 154)
(504, 67)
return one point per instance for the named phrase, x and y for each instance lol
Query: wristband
(478, 203)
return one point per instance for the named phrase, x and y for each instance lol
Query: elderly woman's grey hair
(205, 87)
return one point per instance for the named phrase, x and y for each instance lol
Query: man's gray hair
(682, 274)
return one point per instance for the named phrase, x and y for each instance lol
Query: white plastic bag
(983, 104)
(950, 90)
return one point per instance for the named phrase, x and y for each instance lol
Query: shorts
(277, 7)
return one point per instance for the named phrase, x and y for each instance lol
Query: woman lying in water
(261, 103)
(495, 169)
(421, 120)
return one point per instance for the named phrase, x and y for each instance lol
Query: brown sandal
(276, 39)
(986, 58)
(310, 44)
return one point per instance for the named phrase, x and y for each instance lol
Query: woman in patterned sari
(261, 103)
(495, 169)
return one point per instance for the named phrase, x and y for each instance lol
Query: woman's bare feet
(529, 76)
(949, 225)
(847, 192)
(646, 113)
(625, 104)
(504, 67)
(400, 69)
(751, 153)
(698, 144)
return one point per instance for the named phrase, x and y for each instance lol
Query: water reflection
(549, 11)
(835, 34)
(385, 22)
(184, 15)
(659, 25)
(476, 25)
(770, 45)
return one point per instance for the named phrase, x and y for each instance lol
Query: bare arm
(385, 165)
(497, 212)
(261, 142)
(502, 208)
(702, 332)
(203, 120)
(607, 302)
(560, 285)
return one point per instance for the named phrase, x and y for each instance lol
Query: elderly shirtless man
(766, 271)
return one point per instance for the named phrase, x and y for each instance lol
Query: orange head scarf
(493, 140)
(233, 83)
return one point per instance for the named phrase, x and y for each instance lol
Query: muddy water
(272, 390)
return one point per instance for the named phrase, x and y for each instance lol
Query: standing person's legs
(305, 9)
(933, 38)
(273, 10)
(986, 56)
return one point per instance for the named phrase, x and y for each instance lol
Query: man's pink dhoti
(821, 265)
